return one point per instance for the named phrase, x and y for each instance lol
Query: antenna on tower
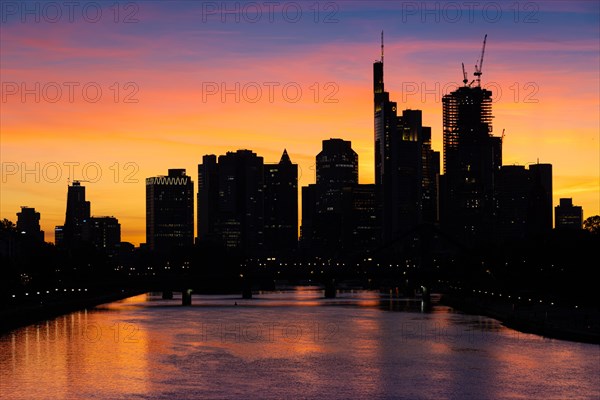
(382, 47)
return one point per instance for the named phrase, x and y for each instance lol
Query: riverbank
(19, 315)
(573, 324)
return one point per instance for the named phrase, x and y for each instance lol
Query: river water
(289, 345)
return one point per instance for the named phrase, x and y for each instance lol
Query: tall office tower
(337, 164)
(323, 216)
(281, 207)
(513, 188)
(28, 224)
(78, 213)
(568, 216)
(208, 198)
(231, 201)
(386, 132)
(471, 158)
(407, 175)
(524, 201)
(431, 172)
(169, 211)
(103, 232)
(403, 182)
(540, 199)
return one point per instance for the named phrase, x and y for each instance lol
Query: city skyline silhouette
(139, 141)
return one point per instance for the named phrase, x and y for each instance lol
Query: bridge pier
(186, 297)
(426, 295)
(330, 291)
(167, 295)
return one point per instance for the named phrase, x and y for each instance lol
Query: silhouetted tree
(592, 224)
(7, 225)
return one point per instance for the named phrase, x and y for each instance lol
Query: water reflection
(288, 344)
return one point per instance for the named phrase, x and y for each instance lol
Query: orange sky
(172, 126)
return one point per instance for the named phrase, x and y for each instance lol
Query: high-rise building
(231, 201)
(208, 197)
(472, 156)
(405, 211)
(169, 211)
(103, 232)
(568, 216)
(513, 188)
(337, 164)
(28, 224)
(430, 178)
(77, 215)
(406, 168)
(386, 134)
(339, 216)
(281, 207)
(541, 198)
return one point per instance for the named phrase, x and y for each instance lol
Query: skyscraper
(405, 165)
(281, 207)
(386, 132)
(208, 197)
(28, 224)
(77, 214)
(337, 164)
(541, 198)
(430, 178)
(568, 216)
(169, 211)
(339, 216)
(471, 158)
(513, 191)
(231, 201)
(103, 232)
(524, 201)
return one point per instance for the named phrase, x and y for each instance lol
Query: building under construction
(471, 158)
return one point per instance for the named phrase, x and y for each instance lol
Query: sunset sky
(157, 64)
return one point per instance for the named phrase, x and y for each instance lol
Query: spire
(382, 47)
(285, 159)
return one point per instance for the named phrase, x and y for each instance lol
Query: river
(291, 344)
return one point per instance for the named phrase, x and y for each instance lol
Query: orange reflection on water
(76, 350)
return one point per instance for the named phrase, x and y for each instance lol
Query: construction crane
(478, 72)
(465, 79)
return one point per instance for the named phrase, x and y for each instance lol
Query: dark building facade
(339, 216)
(103, 232)
(430, 179)
(407, 176)
(524, 201)
(169, 211)
(568, 216)
(231, 201)
(28, 225)
(361, 225)
(281, 207)
(406, 168)
(472, 156)
(77, 215)
(541, 198)
(208, 197)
